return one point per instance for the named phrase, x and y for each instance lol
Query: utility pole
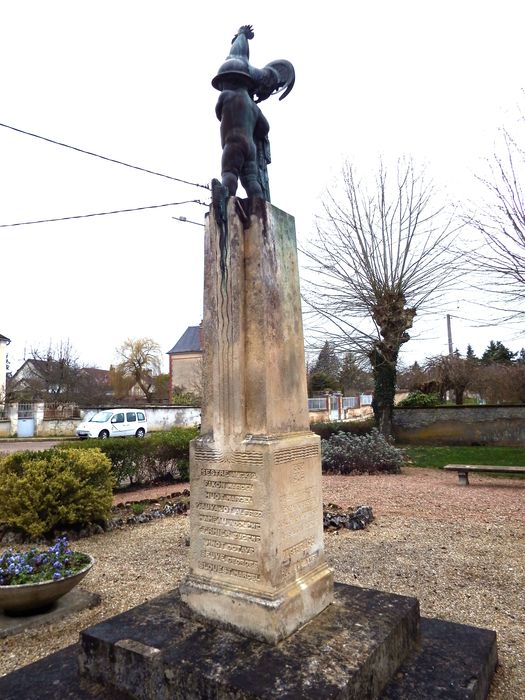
(449, 330)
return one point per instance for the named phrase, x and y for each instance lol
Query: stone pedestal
(256, 555)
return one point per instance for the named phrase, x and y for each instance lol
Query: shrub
(125, 455)
(159, 456)
(346, 454)
(417, 399)
(326, 430)
(167, 454)
(44, 491)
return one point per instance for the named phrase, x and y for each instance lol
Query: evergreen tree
(351, 377)
(497, 352)
(325, 372)
(328, 361)
(471, 355)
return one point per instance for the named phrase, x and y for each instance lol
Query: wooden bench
(464, 469)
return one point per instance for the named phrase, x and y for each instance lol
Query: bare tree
(499, 383)
(51, 374)
(56, 375)
(451, 372)
(140, 361)
(500, 219)
(381, 255)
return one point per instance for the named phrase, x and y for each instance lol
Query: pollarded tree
(140, 360)
(381, 255)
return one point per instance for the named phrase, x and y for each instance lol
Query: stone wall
(159, 418)
(460, 425)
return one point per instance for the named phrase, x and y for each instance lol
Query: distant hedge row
(141, 460)
(326, 430)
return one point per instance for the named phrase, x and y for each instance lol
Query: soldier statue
(244, 129)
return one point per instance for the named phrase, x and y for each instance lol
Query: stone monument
(258, 615)
(256, 556)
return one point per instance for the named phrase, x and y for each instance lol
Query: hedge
(159, 456)
(326, 430)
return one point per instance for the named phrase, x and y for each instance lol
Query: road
(20, 445)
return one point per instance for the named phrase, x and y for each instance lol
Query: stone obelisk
(256, 554)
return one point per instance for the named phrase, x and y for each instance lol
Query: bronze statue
(244, 129)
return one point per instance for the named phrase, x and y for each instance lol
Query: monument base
(365, 645)
(353, 649)
(268, 618)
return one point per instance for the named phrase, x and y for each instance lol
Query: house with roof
(186, 362)
(52, 380)
(4, 342)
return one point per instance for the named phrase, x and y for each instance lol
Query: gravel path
(460, 551)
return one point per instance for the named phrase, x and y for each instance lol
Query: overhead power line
(187, 221)
(107, 213)
(97, 155)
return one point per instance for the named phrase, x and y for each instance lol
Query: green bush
(45, 491)
(345, 454)
(125, 455)
(159, 456)
(326, 430)
(417, 399)
(167, 454)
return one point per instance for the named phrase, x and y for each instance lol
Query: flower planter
(33, 597)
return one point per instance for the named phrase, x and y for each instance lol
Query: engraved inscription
(230, 497)
(302, 547)
(232, 510)
(231, 486)
(218, 520)
(227, 571)
(230, 559)
(229, 521)
(231, 534)
(229, 473)
(288, 567)
(230, 546)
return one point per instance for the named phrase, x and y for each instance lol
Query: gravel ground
(460, 551)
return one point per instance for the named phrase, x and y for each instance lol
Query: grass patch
(437, 457)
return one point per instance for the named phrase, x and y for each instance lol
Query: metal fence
(25, 410)
(61, 411)
(319, 402)
(350, 401)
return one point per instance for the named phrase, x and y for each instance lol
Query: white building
(4, 342)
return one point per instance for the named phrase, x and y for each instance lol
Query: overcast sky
(131, 81)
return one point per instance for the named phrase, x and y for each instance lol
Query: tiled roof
(190, 341)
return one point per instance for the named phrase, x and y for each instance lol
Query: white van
(114, 422)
